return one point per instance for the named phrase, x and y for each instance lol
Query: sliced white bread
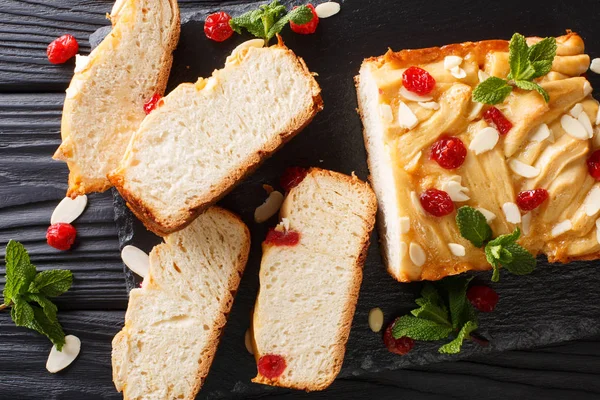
(205, 137)
(105, 101)
(308, 292)
(173, 323)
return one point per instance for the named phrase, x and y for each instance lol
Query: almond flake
(576, 110)
(587, 124)
(456, 190)
(595, 65)
(136, 260)
(414, 198)
(269, 207)
(430, 105)
(573, 127)
(458, 72)
(326, 10)
(81, 62)
(591, 203)
(541, 133)
(484, 140)
(511, 212)
(385, 111)
(452, 61)
(587, 88)
(59, 360)
(403, 248)
(408, 95)
(404, 225)
(376, 319)
(489, 216)
(242, 48)
(598, 230)
(482, 75)
(413, 162)
(525, 170)
(406, 118)
(68, 209)
(561, 228)
(457, 249)
(417, 255)
(476, 108)
(526, 223)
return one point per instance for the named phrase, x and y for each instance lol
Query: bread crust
(148, 216)
(352, 298)
(119, 342)
(78, 184)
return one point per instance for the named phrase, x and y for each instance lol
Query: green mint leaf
(504, 240)
(49, 327)
(523, 262)
(461, 309)
(433, 312)
(48, 306)
(518, 58)
(496, 273)
(473, 226)
(251, 21)
(300, 15)
(541, 56)
(492, 91)
(52, 283)
(430, 293)
(455, 345)
(19, 271)
(21, 312)
(526, 85)
(419, 329)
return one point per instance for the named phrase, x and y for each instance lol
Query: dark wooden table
(31, 184)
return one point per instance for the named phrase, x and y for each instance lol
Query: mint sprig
(503, 251)
(269, 19)
(438, 318)
(26, 291)
(526, 64)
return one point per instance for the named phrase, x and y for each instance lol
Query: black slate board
(535, 310)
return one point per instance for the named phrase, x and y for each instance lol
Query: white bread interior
(173, 323)
(205, 137)
(308, 292)
(104, 105)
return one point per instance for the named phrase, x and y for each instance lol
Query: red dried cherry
(449, 152)
(399, 346)
(292, 177)
(437, 202)
(310, 26)
(282, 238)
(217, 28)
(62, 49)
(418, 81)
(271, 366)
(151, 104)
(594, 165)
(495, 118)
(531, 199)
(61, 236)
(483, 298)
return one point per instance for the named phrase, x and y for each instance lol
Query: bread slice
(419, 246)
(308, 292)
(173, 323)
(206, 137)
(105, 100)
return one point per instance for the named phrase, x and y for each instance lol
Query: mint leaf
(21, 312)
(48, 307)
(496, 273)
(431, 311)
(419, 329)
(492, 91)
(526, 85)
(461, 309)
(473, 226)
(19, 271)
(52, 283)
(520, 66)
(541, 55)
(505, 251)
(300, 16)
(49, 327)
(455, 345)
(251, 21)
(523, 262)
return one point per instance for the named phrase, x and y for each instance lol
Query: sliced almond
(244, 46)
(576, 110)
(457, 249)
(417, 254)
(269, 208)
(476, 108)
(416, 201)
(484, 140)
(587, 88)
(458, 72)
(403, 249)
(561, 228)
(413, 162)
(489, 216)
(540, 133)
(456, 190)
(59, 360)
(591, 203)
(452, 61)
(385, 111)
(573, 127)
(511, 212)
(587, 124)
(595, 65)
(136, 260)
(526, 223)
(408, 95)
(522, 169)
(328, 9)
(406, 118)
(248, 341)
(68, 210)
(376, 319)
(430, 105)
(598, 230)
(404, 225)
(81, 63)
(482, 75)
